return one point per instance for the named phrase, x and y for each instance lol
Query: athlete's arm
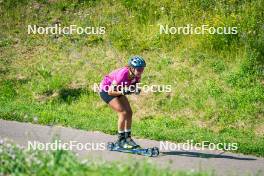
(113, 90)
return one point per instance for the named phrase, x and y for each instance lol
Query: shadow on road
(203, 155)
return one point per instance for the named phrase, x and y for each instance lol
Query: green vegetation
(217, 80)
(18, 161)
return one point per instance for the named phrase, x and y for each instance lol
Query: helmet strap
(132, 75)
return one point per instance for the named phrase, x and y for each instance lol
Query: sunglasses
(140, 69)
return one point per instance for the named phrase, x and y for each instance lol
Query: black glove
(126, 92)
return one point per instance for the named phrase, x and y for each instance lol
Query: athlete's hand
(126, 92)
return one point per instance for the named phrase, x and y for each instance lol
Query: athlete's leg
(119, 105)
(128, 120)
(130, 143)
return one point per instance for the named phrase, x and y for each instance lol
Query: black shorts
(107, 98)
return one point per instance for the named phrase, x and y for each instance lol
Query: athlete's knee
(127, 113)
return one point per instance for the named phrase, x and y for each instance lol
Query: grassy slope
(217, 93)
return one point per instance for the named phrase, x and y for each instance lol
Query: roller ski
(129, 146)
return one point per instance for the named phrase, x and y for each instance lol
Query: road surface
(93, 144)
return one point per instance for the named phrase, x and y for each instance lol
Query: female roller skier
(113, 90)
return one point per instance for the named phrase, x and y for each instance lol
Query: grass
(217, 80)
(16, 160)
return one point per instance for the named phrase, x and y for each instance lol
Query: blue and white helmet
(137, 62)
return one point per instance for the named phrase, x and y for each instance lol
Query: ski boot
(120, 141)
(130, 144)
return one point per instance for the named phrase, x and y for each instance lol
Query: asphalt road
(91, 145)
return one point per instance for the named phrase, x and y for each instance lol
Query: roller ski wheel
(110, 146)
(155, 151)
(152, 152)
(149, 152)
